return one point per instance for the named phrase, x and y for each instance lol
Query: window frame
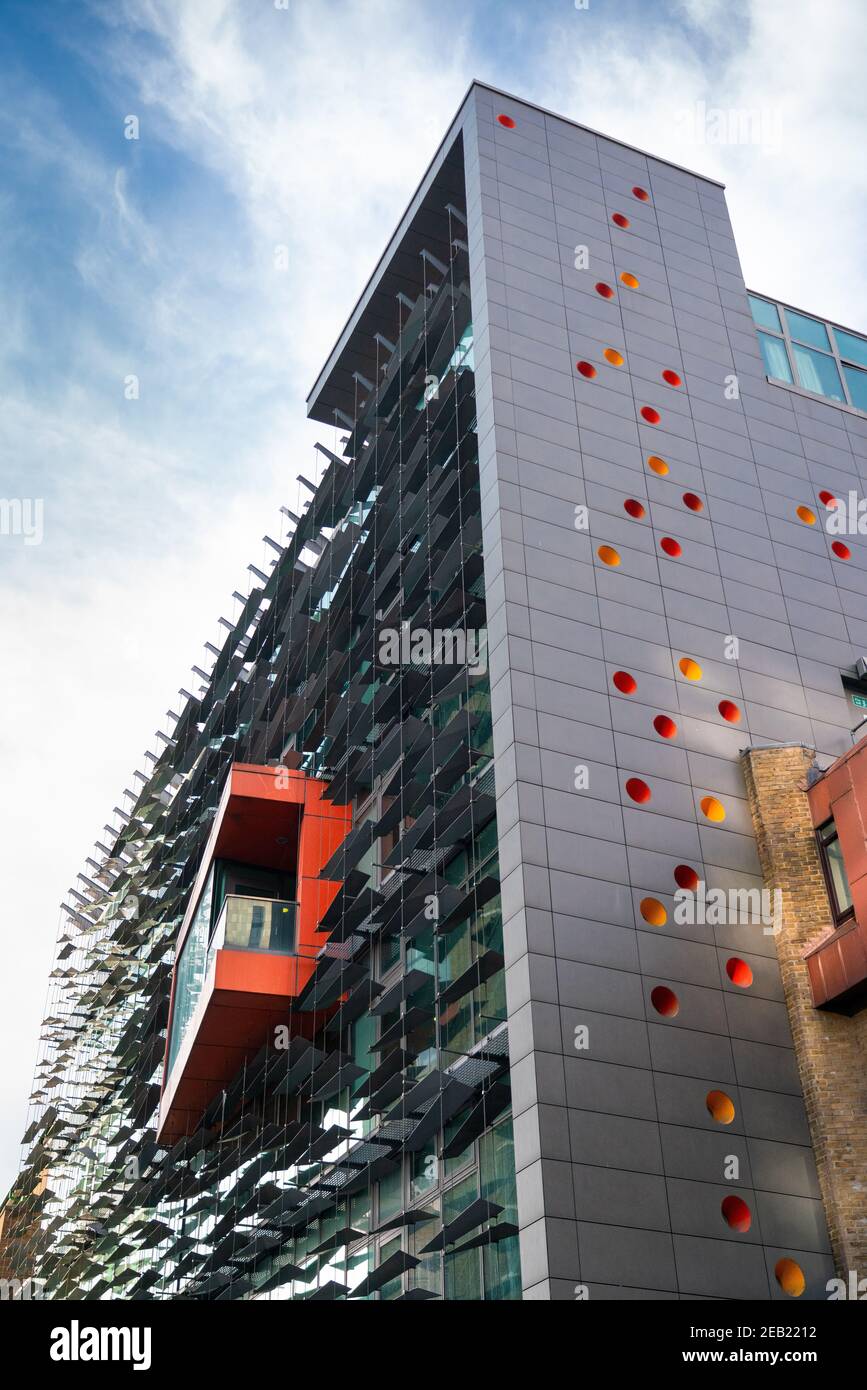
(785, 336)
(841, 916)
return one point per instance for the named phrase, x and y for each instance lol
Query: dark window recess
(836, 879)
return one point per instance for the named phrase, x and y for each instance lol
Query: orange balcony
(837, 963)
(248, 942)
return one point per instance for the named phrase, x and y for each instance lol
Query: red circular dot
(507, 122)
(665, 727)
(693, 501)
(626, 684)
(638, 790)
(841, 551)
(686, 878)
(634, 508)
(619, 220)
(736, 1213)
(641, 194)
(729, 710)
(652, 416)
(672, 378)
(671, 547)
(664, 1000)
(739, 972)
(586, 368)
(828, 498)
(605, 290)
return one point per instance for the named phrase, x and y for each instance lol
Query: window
(851, 348)
(836, 878)
(857, 383)
(765, 315)
(804, 330)
(818, 372)
(802, 351)
(776, 361)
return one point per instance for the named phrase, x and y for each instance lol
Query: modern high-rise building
(490, 921)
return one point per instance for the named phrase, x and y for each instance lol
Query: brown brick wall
(831, 1049)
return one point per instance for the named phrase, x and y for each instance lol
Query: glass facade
(807, 352)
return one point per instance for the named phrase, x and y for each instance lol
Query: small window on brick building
(835, 871)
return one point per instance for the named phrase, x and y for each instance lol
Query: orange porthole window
(619, 220)
(608, 555)
(641, 194)
(657, 465)
(605, 290)
(693, 502)
(624, 682)
(653, 912)
(790, 1277)
(804, 514)
(613, 356)
(841, 551)
(671, 378)
(665, 1001)
(720, 1107)
(736, 1214)
(671, 547)
(739, 972)
(686, 878)
(638, 790)
(633, 508)
(585, 368)
(689, 668)
(713, 809)
(507, 122)
(630, 280)
(652, 416)
(729, 710)
(665, 726)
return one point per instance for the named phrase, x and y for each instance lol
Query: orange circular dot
(729, 710)
(841, 551)
(613, 356)
(736, 1213)
(693, 501)
(641, 194)
(671, 377)
(665, 726)
(585, 368)
(624, 682)
(690, 668)
(619, 220)
(828, 499)
(637, 790)
(507, 122)
(634, 508)
(739, 972)
(605, 290)
(686, 878)
(630, 280)
(720, 1106)
(671, 547)
(657, 465)
(652, 416)
(790, 1277)
(805, 515)
(713, 809)
(608, 555)
(665, 1001)
(653, 912)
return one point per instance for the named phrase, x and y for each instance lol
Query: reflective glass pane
(857, 383)
(806, 330)
(776, 358)
(766, 315)
(816, 372)
(855, 349)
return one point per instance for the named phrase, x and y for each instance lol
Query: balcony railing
(255, 924)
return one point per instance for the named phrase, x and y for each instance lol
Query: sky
(167, 300)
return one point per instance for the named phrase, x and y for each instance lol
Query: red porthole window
(828, 499)
(633, 508)
(605, 290)
(693, 502)
(624, 682)
(586, 369)
(736, 1214)
(686, 878)
(665, 1001)
(671, 547)
(671, 378)
(507, 122)
(729, 710)
(739, 972)
(619, 220)
(636, 789)
(641, 194)
(841, 551)
(652, 416)
(664, 726)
